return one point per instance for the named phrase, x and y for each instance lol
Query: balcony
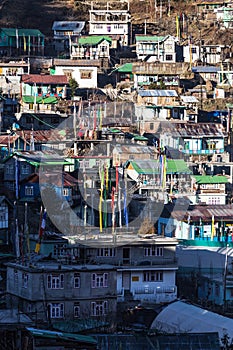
(203, 151)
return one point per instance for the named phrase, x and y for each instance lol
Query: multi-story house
(100, 275)
(39, 88)
(5, 207)
(83, 71)
(212, 54)
(210, 189)
(151, 48)
(49, 291)
(123, 152)
(168, 74)
(91, 47)
(20, 165)
(112, 22)
(16, 42)
(148, 175)
(165, 105)
(225, 15)
(201, 139)
(39, 95)
(31, 186)
(198, 224)
(63, 31)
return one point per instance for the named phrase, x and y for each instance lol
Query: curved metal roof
(183, 317)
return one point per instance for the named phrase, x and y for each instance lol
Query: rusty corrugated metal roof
(44, 79)
(41, 135)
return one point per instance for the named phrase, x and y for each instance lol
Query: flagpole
(26, 231)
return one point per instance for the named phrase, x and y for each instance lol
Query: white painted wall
(77, 75)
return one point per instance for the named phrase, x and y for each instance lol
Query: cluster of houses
(101, 184)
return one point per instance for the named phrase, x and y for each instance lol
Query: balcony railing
(203, 151)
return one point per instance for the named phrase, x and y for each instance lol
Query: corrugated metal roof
(220, 212)
(22, 32)
(126, 68)
(206, 179)
(61, 335)
(150, 38)
(76, 63)
(198, 129)
(4, 139)
(206, 69)
(157, 93)
(39, 100)
(93, 40)
(174, 166)
(41, 135)
(44, 79)
(189, 99)
(75, 26)
(183, 317)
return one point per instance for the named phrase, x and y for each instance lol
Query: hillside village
(116, 197)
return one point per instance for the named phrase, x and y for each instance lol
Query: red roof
(44, 79)
(4, 139)
(41, 135)
(53, 178)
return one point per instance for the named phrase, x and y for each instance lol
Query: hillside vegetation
(161, 20)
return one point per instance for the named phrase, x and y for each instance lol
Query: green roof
(93, 40)
(61, 335)
(39, 100)
(151, 38)
(139, 137)
(208, 179)
(22, 32)
(177, 166)
(79, 325)
(126, 68)
(115, 131)
(174, 166)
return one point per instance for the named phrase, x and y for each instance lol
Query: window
(86, 74)
(99, 280)
(56, 310)
(59, 249)
(153, 251)
(106, 252)
(2, 217)
(76, 280)
(152, 276)
(24, 280)
(99, 308)
(65, 192)
(10, 169)
(25, 169)
(135, 278)
(217, 290)
(151, 126)
(169, 58)
(55, 281)
(16, 276)
(214, 200)
(76, 310)
(29, 190)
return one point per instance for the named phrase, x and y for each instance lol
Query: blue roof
(156, 93)
(206, 69)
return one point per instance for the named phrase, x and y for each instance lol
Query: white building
(83, 71)
(151, 48)
(111, 22)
